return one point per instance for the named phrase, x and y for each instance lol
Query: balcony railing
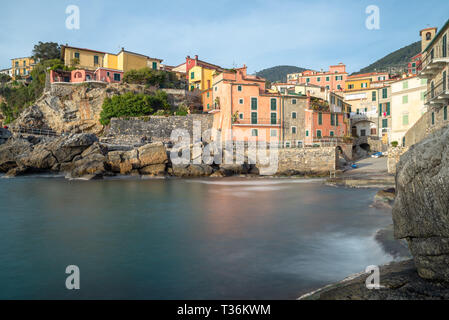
(438, 93)
(435, 59)
(257, 122)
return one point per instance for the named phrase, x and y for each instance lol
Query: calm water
(182, 239)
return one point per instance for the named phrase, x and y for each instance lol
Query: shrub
(150, 77)
(182, 110)
(394, 144)
(133, 105)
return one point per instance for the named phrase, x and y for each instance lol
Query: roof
(437, 35)
(141, 55)
(431, 28)
(362, 75)
(85, 49)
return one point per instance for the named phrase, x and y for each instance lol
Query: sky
(229, 33)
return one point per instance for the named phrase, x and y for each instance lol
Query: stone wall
(394, 155)
(158, 128)
(307, 160)
(423, 127)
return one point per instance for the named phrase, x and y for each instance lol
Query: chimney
(196, 57)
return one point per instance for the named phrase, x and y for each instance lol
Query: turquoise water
(182, 239)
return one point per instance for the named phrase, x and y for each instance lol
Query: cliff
(73, 108)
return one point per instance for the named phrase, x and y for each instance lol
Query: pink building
(78, 76)
(333, 80)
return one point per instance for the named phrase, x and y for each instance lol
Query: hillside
(396, 61)
(279, 73)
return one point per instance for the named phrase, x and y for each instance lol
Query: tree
(46, 51)
(4, 78)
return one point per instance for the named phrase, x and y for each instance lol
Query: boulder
(234, 169)
(17, 171)
(10, 151)
(92, 165)
(66, 148)
(194, 170)
(4, 135)
(129, 161)
(38, 159)
(153, 153)
(153, 170)
(421, 209)
(114, 159)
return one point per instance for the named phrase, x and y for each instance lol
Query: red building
(414, 66)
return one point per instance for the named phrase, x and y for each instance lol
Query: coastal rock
(233, 169)
(194, 170)
(153, 153)
(10, 151)
(398, 281)
(384, 199)
(4, 135)
(130, 161)
(153, 170)
(65, 149)
(38, 159)
(17, 171)
(114, 159)
(91, 162)
(421, 210)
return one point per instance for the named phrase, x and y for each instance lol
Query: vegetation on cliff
(134, 105)
(150, 77)
(395, 61)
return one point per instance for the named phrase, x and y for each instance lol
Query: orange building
(242, 103)
(333, 80)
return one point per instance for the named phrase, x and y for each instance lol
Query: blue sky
(258, 33)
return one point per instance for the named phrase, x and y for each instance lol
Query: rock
(38, 159)
(153, 170)
(180, 170)
(234, 169)
(421, 210)
(65, 149)
(4, 135)
(10, 151)
(93, 164)
(130, 161)
(17, 171)
(114, 159)
(194, 170)
(384, 198)
(153, 153)
(398, 281)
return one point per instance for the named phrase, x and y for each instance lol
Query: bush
(394, 144)
(182, 110)
(150, 77)
(133, 105)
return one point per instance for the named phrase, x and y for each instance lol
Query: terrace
(438, 93)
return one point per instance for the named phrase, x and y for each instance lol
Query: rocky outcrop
(398, 281)
(4, 135)
(10, 151)
(421, 210)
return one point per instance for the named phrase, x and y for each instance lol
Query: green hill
(394, 62)
(279, 73)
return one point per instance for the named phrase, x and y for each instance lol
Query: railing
(436, 90)
(258, 122)
(34, 131)
(438, 52)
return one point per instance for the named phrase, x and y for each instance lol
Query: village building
(22, 67)
(333, 79)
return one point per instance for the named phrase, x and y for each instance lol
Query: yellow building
(22, 66)
(92, 59)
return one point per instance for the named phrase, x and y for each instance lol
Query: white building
(407, 105)
(6, 71)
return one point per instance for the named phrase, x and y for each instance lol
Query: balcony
(434, 61)
(260, 122)
(438, 94)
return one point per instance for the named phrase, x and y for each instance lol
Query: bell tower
(427, 36)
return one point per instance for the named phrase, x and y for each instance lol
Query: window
(332, 119)
(320, 118)
(273, 133)
(17, 64)
(239, 88)
(373, 131)
(117, 77)
(331, 133)
(403, 141)
(241, 116)
(433, 118)
(380, 109)
(208, 94)
(154, 65)
(405, 119)
(364, 85)
(108, 74)
(192, 88)
(363, 133)
(273, 104)
(192, 75)
(293, 115)
(445, 113)
(444, 48)
(253, 117)
(327, 87)
(350, 86)
(327, 79)
(332, 99)
(216, 88)
(293, 101)
(374, 96)
(405, 99)
(336, 120)
(318, 133)
(95, 60)
(24, 63)
(273, 118)
(308, 80)
(253, 103)
(388, 108)
(339, 87)
(208, 106)
(307, 133)
(77, 55)
(318, 79)
(384, 93)
(428, 36)
(339, 78)
(293, 130)
(384, 123)
(255, 132)
(414, 65)
(240, 101)
(287, 144)
(405, 85)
